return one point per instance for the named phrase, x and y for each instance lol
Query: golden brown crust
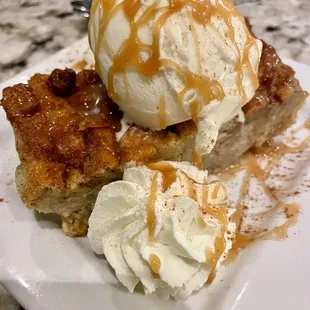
(102, 151)
(65, 128)
(49, 127)
(276, 81)
(142, 146)
(40, 175)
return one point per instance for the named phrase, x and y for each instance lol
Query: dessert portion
(177, 81)
(163, 225)
(181, 80)
(66, 130)
(166, 62)
(187, 66)
(272, 110)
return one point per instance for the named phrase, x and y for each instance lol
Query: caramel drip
(220, 215)
(272, 153)
(192, 192)
(211, 277)
(197, 160)
(205, 194)
(129, 54)
(195, 109)
(279, 233)
(200, 220)
(93, 9)
(80, 65)
(208, 89)
(151, 219)
(212, 257)
(168, 179)
(216, 190)
(275, 151)
(155, 264)
(191, 188)
(243, 61)
(240, 241)
(161, 166)
(307, 124)
(292, 212)
(162, 113)
(110, 9)
(169, 173)
(228, 173)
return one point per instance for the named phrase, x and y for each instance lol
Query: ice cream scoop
(166, 62)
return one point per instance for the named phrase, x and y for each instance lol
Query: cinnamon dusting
(272, 153)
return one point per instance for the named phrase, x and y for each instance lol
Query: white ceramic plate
(43, 269)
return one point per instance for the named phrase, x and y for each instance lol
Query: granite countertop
(32, 30)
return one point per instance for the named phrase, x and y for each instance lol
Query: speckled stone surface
(32, 30)
(285, 24)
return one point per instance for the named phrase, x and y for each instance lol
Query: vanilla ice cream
(163, 225)
(166, 62)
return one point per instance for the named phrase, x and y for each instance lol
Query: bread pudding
(65, 127)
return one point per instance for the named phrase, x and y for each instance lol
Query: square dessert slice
(65, 127)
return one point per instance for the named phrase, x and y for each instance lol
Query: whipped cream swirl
(163, 225)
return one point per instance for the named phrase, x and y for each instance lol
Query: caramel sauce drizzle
(162, 113)
(195, 109)
(197, 160)
(128, 56)
(205, 195)
(273, 152)
(155, 264)
(292, 212)
(201, 221)
(150, 217)
(212, 257)
(216, 190)
(169, 174)
(307, 124)
(220, 215)
(80, 65)
(192, 192)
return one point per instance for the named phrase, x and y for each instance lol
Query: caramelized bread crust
(65, 128)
